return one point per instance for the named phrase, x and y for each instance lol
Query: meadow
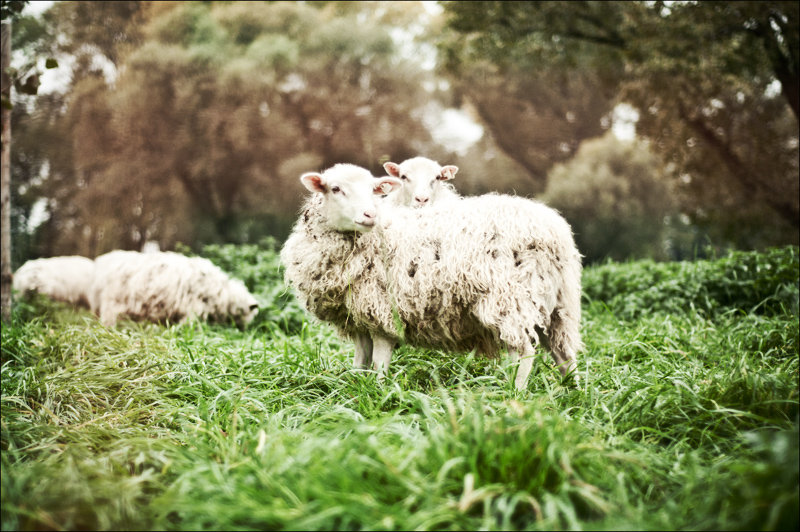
(686, 416)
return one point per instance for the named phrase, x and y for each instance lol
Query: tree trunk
(5, 182)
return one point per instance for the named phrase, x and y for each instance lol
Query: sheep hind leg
(525, 365)
(363, 356)
(564, 340)
(110, 314)
(381, 355)
(566, 361)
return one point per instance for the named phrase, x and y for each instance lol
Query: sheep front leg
(363, 356)
(381, 355)
(525, 365)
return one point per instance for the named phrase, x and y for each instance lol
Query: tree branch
(785, 68)
(741, 172)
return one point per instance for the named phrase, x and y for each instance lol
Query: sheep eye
(404, 178)
(441, 178)
(335, 189)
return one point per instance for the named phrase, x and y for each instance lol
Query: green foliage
(28, 34)
(745, 282)
(684, 420)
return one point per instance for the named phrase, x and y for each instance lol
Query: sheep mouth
(369, 224)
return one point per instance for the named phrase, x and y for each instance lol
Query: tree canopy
(702, 75)
(214, 111)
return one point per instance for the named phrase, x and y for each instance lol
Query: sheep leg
(381, 355)
(566, 361)
(525, 365)
(513, 355)
(363, 356)
(109, 317)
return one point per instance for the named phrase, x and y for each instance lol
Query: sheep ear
(392, 169)
(313, 182)
(448, 172)
(385, 185)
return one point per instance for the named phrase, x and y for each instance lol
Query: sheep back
(166, 286)
(66, 279)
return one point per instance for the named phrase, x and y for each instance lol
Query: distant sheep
(460, 275)
(64, 279)
(165, 286)
(424, 182)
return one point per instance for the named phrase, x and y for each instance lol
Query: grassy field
(687, 416)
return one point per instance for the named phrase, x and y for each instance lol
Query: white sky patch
(624, 118)
(54, 79)
(773, 89)
(452, 128)
(58, 79)
(38, 216)
(432, 7)
(410, 48)
(36, 8)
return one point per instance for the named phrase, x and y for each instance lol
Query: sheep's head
(242, 306)
(349, 196)
(422, 180)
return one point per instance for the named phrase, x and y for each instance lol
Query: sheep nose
(370, 214)
(421, 200)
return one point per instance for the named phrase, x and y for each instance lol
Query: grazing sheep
(164, 286)
(424, 182)
(459, 275)
(64, 279)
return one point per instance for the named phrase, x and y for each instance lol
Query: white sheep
(424, 182)
(163, 286)
(459, 275)
(64, 279)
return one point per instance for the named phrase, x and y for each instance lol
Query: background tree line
(191, 121)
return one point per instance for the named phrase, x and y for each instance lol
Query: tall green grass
(687, 417)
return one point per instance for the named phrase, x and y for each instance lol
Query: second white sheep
(425, 183)
(165, 286)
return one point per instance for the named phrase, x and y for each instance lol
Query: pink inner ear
(449, 172)
(392, 169)
(386, 185)
(313, 182)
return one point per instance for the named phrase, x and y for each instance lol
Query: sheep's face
(349, 196)
(422, 180)
(243, 306)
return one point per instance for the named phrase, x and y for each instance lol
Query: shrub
(764, 283)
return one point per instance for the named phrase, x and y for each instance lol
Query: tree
(5, 166)
(8, 10)
(700, 74)
(538, 113)
(616, 198)
(214, 111)
(25, 82)
(537, 120)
